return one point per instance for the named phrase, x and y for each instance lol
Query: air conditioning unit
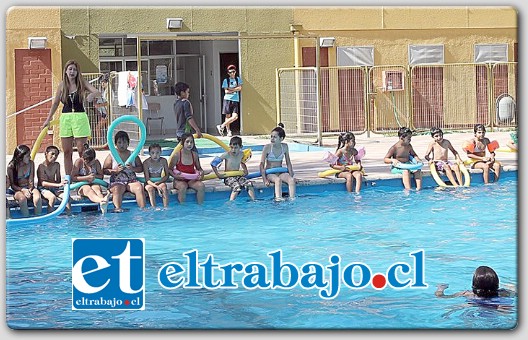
(393, 80)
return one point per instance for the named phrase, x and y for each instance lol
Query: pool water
(458, 230)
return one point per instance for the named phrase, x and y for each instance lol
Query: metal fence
(297, 100)
(101, 117)
(97, 122)
(383, 98)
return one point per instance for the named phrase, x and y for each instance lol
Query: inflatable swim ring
(441, 183)
(330, 172)
(187, 176)
(42, 218)
(139, 147)
(278, 170)
(413, 165)
(38, 141)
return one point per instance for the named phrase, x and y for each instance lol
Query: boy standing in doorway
(232, 87)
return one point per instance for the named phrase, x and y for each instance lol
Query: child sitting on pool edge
(123, 176)
(233, 162)
(401, 152)
(440, 147)
(272, 156)
(186, 169)
(476, 152)
(348, 155)
(154, 167)
(21, 172)
(88, 169)
(49, 177)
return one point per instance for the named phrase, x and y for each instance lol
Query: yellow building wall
(259, 57)
(73, 33)
(390, 30)
(21, 23)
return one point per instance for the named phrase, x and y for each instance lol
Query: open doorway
(227, 59)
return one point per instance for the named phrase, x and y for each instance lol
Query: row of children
(402, 152)
(156, 169)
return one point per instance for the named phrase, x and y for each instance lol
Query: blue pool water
(458, 230)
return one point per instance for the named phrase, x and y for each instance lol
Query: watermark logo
(108, 274)
(327, 278)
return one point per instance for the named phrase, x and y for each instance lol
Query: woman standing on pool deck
(272, 156)
(73, 125)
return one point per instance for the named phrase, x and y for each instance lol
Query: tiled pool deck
(307, 164)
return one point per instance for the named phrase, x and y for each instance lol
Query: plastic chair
(154, 114)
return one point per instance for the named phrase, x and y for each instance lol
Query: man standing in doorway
(232, 87)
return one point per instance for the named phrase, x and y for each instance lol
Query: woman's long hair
(19, 153)
(66, 82)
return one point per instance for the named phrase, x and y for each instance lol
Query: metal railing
(384, 98)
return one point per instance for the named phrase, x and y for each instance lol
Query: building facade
(340, 42)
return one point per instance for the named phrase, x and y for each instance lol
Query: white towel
(122, 88)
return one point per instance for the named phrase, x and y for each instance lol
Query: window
(355, 56)
(491, 53)
(426, 54)
(157, 61)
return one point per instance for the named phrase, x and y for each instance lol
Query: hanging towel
(122, 88)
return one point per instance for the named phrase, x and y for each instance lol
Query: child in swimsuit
(187, 161)
(401, 152)
(21, 172)
(156, 170)
(87, 169)
(439, 147)
(348, 155)
(233, 162)
(123, 176)
(478, 155)
(485, 285)
(272, 156)
(49, 177)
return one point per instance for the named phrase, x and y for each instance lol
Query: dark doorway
(227, 59)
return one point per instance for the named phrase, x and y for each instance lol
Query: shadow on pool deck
(307, 164)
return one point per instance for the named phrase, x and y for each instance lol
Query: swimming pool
(457, 229)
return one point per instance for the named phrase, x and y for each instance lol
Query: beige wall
(22, 23)
(259, 57)
(389, 29)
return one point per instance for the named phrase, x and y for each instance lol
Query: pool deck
(307, 164)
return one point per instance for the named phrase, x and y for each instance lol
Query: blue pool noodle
(268, 171)
(42, 218)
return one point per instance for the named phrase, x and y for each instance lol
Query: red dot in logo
(127, 302)
(379, 281)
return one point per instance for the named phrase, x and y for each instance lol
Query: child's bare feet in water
(104, 204)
